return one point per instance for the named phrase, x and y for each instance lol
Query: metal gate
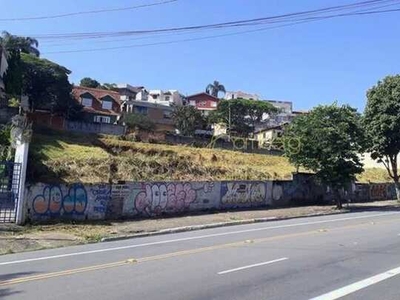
(10, 176)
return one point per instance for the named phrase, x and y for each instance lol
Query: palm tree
(214, 88)
(12, 43)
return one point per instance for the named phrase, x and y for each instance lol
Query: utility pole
(229, 135)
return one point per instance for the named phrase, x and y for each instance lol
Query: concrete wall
(148, 199)
(94, 128)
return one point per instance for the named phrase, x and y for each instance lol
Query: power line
(89, 12)
(305, 20)
(371, 4)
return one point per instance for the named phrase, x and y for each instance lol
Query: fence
(10, 176)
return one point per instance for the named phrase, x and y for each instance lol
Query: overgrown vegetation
(68, 157)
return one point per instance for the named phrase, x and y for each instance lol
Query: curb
(210, 226)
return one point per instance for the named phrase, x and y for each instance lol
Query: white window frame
(102, 119)
(87, 99)
(108, 102)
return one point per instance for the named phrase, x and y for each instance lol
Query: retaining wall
(148, 199)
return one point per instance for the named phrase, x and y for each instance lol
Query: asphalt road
(348, 256)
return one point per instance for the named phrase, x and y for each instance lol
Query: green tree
(215, 88)
(187, 119)
(241, 114)
(330, 139)
(46, 85)
(139, 121)
(382, 125)
(14, 46)
(90, 83)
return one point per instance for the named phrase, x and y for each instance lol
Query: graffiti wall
(157, 198)
(151, 199)
(243, 194)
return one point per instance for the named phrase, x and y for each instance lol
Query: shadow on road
(5, 292)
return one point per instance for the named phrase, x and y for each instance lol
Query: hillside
(66, 157)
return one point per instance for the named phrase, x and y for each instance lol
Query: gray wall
(148, 199)
(95, 128)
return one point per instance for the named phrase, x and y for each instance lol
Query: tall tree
(14, 46)
(46, 85)
(90, 83)
(330, 139)
(14, 43)
(241, 114)
(215, 88)
(382, 125)
(187, 119)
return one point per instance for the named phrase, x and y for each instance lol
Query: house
(203, 102)
(3, 69)
(241, 95)
(159, 114)
(267, 136)
(99, 106)
(168, 98)
(128, 92)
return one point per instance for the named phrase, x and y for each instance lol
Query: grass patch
(68, 157)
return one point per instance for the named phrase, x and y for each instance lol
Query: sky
(308, 64)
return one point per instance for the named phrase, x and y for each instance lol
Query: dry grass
(64, 157)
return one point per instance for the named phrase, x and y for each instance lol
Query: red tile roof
(202, 93)
(77, 91)
(97, 94)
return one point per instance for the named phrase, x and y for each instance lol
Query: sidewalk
(15, 238)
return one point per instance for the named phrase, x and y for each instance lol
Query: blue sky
(309, 64)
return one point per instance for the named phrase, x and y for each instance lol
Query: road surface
(347, 256)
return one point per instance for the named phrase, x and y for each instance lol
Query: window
(154, 96)
(141, 110)
(102, 119)
(87, 101)
(202, 103)
(213, 104)
(192, 102)
(167, 98)
(166, 114)
(107, 104)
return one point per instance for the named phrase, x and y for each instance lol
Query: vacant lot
(66, 157)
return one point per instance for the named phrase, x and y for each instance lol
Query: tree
(241, 114)
(214, 88)
(138, 121)
(382, 125)
(187, 119)
(14, 46)
(46, 85)
(330, 139)
(90, 83)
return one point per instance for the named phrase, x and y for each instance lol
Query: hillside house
(203, 102)
(99, 106)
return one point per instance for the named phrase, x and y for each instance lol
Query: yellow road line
(180, 253)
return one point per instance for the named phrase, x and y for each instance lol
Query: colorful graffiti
(101, 197)
(156, 198)
(378, 191)
(52, 201)
(243, 193)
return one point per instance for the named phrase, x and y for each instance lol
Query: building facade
(99, 106)
(241, 95)
(203, 102)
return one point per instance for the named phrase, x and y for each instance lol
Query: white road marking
(190, 238)
(362, 284)
(252, 266)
